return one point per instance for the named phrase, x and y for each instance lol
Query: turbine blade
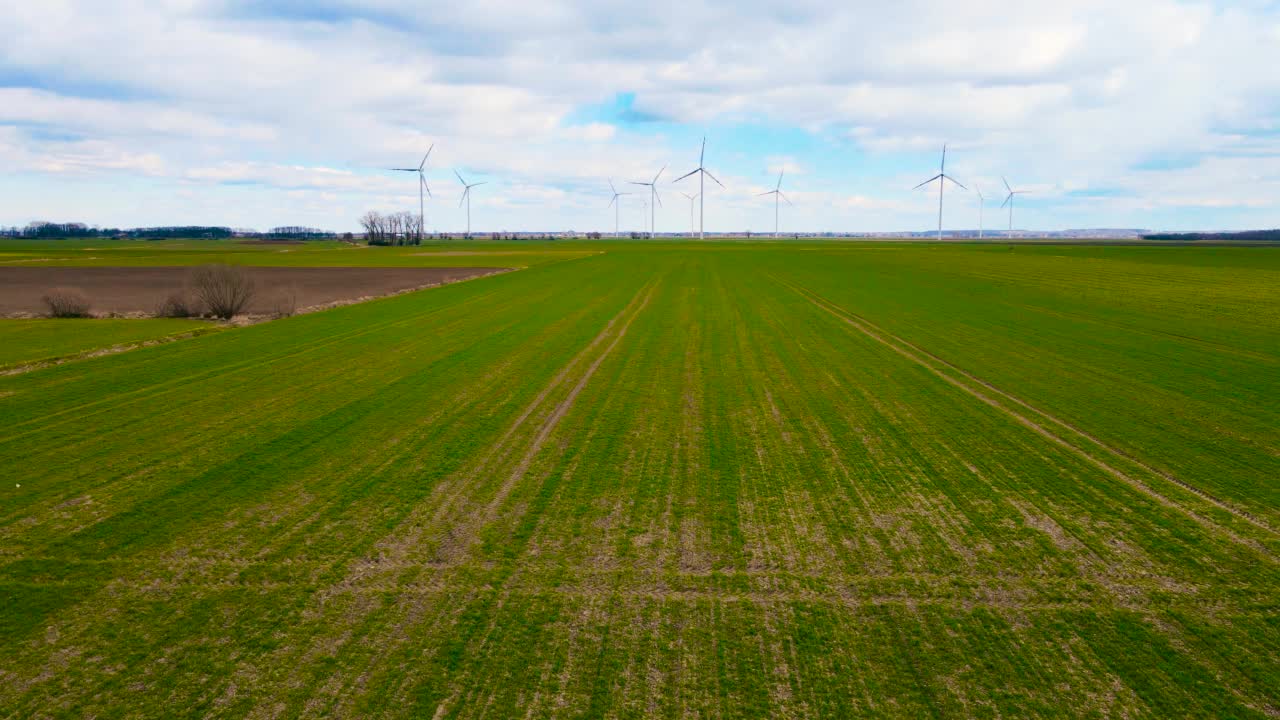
(633, 182)
(957, 182)
(766, 193)
(1007, 200)
(486, 182)
(455, 172)
(943, 170)
(784, 197)
(656, 196)
(713, 177)
(611, 187)
(926, 182)
(779, 185)
(655, 177)
(425, 186)
(1006, 184)
(424, 157)
(702, 155)
(612, 200)
(691, 172)
(464, 197)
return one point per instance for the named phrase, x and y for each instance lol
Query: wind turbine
(422, 185)
(616, 205)
(703, 173)
(776, 192)
(1009, 201)
(942, 177)
(466, 197)
(653, 196)
(982, 202)
(691, 199)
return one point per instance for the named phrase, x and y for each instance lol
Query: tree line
(1250, 235)
(41, 229)
(49, 230)
(397, 228)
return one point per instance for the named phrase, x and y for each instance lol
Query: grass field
(129, 253)
(28, 341)
(669, 480)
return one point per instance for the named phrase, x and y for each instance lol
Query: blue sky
(253, 113)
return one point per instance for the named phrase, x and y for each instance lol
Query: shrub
(224, 290)
(178, 305)
(67, 303)
(286, 302)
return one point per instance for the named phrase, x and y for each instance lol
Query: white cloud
(318, 98)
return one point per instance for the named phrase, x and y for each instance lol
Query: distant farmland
(665, 480)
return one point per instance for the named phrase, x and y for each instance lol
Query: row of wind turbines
(424, 188)
(942, 178)
(655, 200)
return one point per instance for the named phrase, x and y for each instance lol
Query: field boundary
(151, 391)
(913, 352)
(31, 366)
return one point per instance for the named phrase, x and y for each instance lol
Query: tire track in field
(464, 536)
(913, 353)
(451, 518)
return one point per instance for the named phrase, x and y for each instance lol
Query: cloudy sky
(253, 113)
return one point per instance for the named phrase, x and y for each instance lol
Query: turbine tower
(776, 192)
(653, 197)
(703, 173)
(691, 198)
(982, 203)
(466, 197)
(616, 205)
(942, 177)
(1009, 201)
(422, 185)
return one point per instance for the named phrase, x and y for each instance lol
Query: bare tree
(225, 290)
(67, 303)
(373, 227)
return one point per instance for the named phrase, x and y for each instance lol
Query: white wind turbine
(982, 203)
(776, 192)
(616, 205)
(942, 177)
(1009, 200)
(466, 197)
(703, 173)
(691, 198)
(653, 197)
(422, 185)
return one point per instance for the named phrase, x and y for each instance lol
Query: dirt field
(125, 290)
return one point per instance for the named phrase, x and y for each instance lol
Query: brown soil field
(134, 290)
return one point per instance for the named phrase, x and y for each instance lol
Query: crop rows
(697, 481)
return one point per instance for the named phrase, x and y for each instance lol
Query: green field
(117, 253)
(30, 341)
(666, 480)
